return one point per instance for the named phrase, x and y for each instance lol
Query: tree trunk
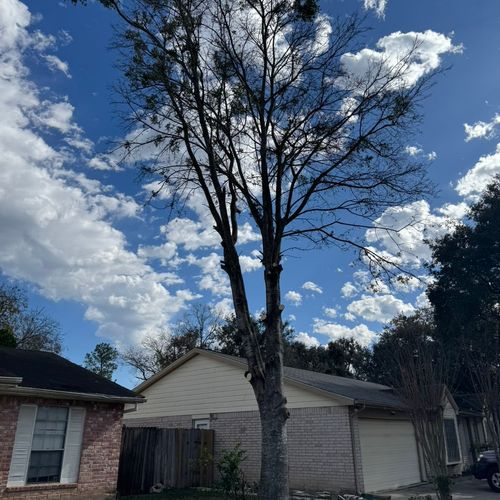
(274, 458)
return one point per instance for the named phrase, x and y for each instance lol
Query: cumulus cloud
(54, 222)
(293, 297)
(379, 308)
(421, 52)
(402, 233)
(480, 175)
(312, 287)
(481, 130)
(335, 331)
(330, 312)
(348, 290)
(307, 339)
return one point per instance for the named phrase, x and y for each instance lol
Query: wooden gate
(176, 458)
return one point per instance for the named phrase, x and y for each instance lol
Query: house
(471, 427)
(60, 428)
(343, 434)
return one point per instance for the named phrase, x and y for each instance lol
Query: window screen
(48, 445)
(452, 447)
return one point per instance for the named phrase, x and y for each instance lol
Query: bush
(231, 477)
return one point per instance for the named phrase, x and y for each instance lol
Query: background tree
(23, 327)
(419, 373)
(401, 329)
(200, 327)
(252, 104)
(344, 357)
(102, 360)
(466, 300)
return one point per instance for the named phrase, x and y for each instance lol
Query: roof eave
(55, 394)
(11, 380)
(380, 406)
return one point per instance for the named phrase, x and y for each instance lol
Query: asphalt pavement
(463, 488)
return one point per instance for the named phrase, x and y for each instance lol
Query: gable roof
(349, 391)
(39, 373)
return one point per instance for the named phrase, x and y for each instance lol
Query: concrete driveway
(464, 488)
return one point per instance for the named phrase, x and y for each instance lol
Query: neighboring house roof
(39, 373)
(468, 405)
(350, 390)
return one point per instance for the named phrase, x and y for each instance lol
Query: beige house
(344, 434)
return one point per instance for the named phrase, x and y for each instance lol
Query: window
(201, 423)
(47, 447)
(451, 438)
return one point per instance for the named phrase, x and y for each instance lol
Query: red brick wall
(100, 451)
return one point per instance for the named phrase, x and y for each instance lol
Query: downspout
(352, 414)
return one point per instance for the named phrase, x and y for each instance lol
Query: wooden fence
(177, 458)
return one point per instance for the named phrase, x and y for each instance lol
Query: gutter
(11, 380)
(54, 394)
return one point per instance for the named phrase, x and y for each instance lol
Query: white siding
(206, 385)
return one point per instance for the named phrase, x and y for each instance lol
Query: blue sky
(76, 233)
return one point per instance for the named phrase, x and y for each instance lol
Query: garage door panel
(389, 454)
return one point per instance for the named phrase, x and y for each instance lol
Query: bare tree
(200, 327)
(420, 374)
(252, 104)
(483, 360)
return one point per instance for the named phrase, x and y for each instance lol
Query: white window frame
(23, 443)
(201, 423)
(62, 450)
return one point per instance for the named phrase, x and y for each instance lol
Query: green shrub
(231, 477)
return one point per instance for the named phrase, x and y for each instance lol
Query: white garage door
(389, 454)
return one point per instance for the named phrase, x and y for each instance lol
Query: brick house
(60, 428)
(343, 434)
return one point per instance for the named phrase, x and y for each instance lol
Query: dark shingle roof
(358, 390)
(468, 404)
(45, 370)
(362, 392)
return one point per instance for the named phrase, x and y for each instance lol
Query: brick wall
(319, 440)
(99, 458)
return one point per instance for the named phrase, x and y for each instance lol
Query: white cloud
(294, 298)
(57, 115)
(249, 264)
(104, 162)
(378, 6)
(348, 290)
(307, 339)
(380, 308)
(406, 284)
(422, 301)
(55, 64)
(480, 175)
(312, 287)
(54, 221)
(411, 54)
(335, 331)
(481, 130)
(212, 277)
(414, 150)
(330, 312)
(454, 211)
(292, 317)
(224, 308)
(410, 225)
